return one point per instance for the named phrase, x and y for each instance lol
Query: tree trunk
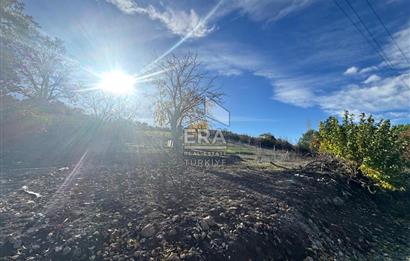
(176, 132)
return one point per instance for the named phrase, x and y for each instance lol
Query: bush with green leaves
(308, 140)
(376, 149)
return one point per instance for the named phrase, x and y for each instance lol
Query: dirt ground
(147, 206)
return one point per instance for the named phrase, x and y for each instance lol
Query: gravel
(151, 209)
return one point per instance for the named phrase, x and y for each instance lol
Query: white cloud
(374, 95)
(372, 78)
(127, 6)
(385, 98)
(268, 10)
(179, 22)
(235, 59)
(293, 92)
(183, 22)
(398, 51)
(394, 115)
(390, 94)
(351, 70)
(368, 69)
(388, 98)
(230, 59)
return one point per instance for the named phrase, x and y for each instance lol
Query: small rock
(17, 243)
(138, 253)
(204, 225)
(77, 252)
(209, 220)
(172, 232)
(172, 257)
(148, 231)
(338, 201)
(196, 236)
(58, 249)
(66, 250)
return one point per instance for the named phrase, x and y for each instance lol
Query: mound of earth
(150, 208)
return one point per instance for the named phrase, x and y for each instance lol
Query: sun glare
(117, 82)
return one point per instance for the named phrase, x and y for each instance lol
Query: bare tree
(108, 107)
(43, 69)
(15, 27)
(14, 22)
(32, 64)
(182, 90)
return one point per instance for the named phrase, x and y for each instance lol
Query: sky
(284, 65)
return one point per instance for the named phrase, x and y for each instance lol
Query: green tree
(267, 140)
(374, 149)
(307, 141)
(403, 131)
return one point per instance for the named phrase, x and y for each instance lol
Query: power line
(369, 32)
(377, 48)
(387, 30)
(360, 31)
(387, 60)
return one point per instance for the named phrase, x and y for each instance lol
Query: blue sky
(283, 64)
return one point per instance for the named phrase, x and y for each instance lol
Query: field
(128, 201)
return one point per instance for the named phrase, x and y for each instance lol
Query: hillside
(112, 192)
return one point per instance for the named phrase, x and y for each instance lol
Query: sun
(117, 82)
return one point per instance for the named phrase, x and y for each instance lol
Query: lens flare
(117, 82)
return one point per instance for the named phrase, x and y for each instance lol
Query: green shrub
(377, 150)
(308, 140)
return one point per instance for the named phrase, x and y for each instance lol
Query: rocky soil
(147, 207)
